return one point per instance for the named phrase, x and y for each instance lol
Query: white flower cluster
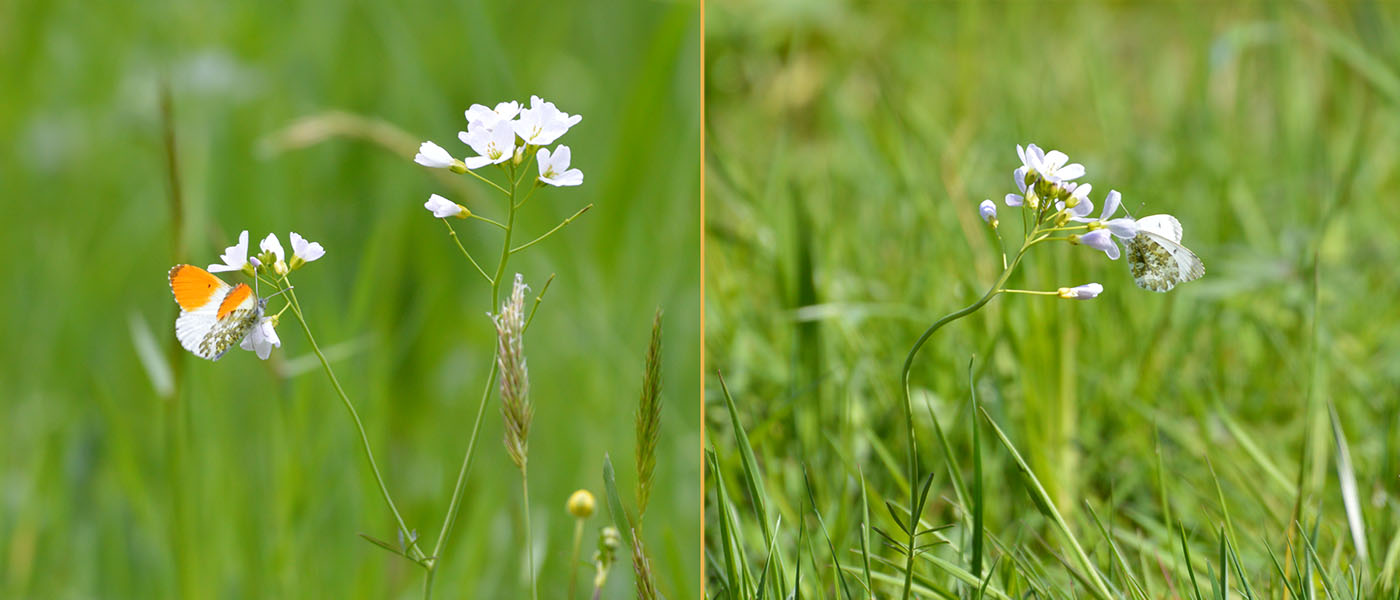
(505, 133)
(1051, 199)
(262, 338)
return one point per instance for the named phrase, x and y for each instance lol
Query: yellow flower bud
(581, 504)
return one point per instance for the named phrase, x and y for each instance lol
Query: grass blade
(1047, 506)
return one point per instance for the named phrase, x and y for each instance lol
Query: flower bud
(988, 210)
(1087, 291)
(581, 504)
(443, 208)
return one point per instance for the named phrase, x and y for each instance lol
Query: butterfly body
(214, 316)
(1156, 257)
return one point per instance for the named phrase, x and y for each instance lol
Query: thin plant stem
(561, 225)
(525, 170)
(455, 504)
(538, 299)
(491, 221)
(461, 484)
(913, 456)
(487, 181)
(418, 555)
(453, 232)
(529, 194)
(573, 559)
(529, 542)
(1073, 228)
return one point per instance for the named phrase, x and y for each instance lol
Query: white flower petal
(262, 338)
(235, 257)
(1014, 200)
(554, 167)
(493, 145)
(543, 123)
(306, 251)
(1101, 239)
(1036, 156)
(571, 177)
(1110, 204)
(1122, 227)
(1070, 172)
(433, 156)
(270, 244)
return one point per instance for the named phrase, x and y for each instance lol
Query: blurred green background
(848, 146)
(270, 478)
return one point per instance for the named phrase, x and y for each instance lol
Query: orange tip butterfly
(213, 315)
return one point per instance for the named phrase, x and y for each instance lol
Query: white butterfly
(1156, 257)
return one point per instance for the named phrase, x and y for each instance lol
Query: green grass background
(848, 146)
(270, 476)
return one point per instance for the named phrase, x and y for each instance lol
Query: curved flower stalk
(503, 140)
(1054, 207)
(273, 266)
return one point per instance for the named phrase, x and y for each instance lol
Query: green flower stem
(418, 555)
(453, 232)
(538, 299)
(1031, 292)
(573, 559)
(1075, 228)
(913, 456)
(561, 225)
(455, 504)
(491, 221)
(461, 484)
(485, 180)
(529, 194)
(529, 545)
(525, 169)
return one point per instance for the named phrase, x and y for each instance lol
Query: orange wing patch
(194, 287)
(235, 298)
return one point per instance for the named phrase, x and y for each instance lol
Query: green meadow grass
(252, 484)
(1244, 424)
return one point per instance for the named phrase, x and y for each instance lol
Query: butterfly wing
(213, 315)
(1159, 262)
(1163, 225)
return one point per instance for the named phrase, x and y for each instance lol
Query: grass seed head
(515, 377)
(649, 417)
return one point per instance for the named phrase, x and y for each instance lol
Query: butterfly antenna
(282, 291)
